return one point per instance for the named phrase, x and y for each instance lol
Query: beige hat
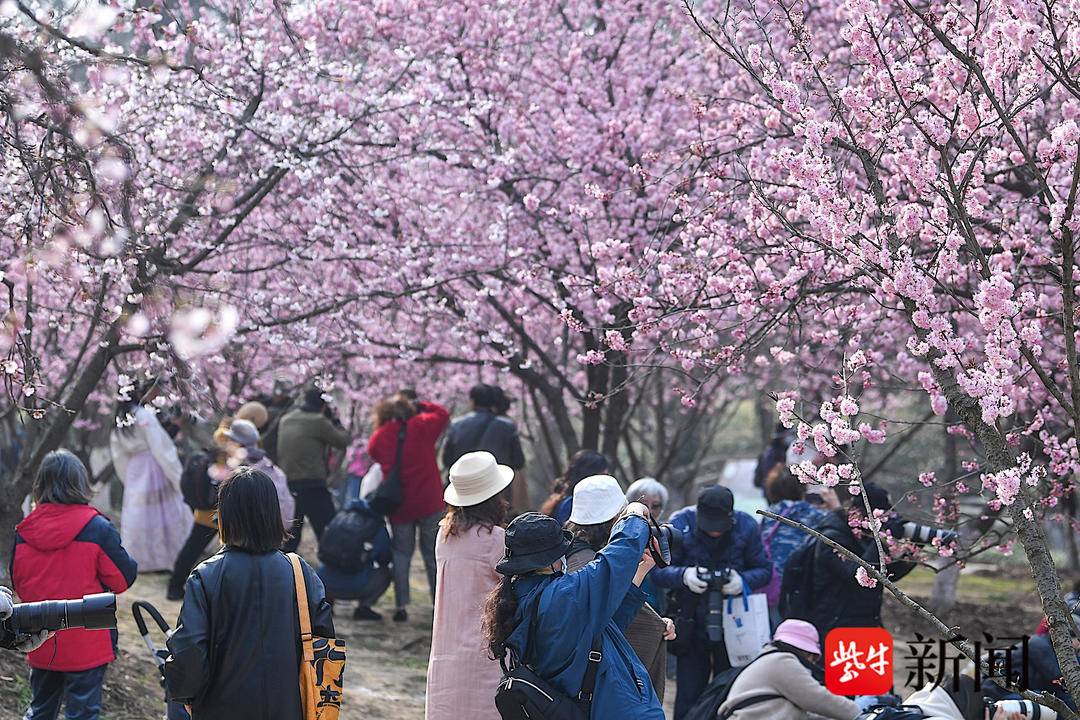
(476, 477)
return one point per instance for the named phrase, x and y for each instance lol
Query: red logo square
(858, 661)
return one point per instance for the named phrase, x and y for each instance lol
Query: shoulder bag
(322, 667)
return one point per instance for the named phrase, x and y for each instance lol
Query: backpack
(524, 695)
(347, 540)
(198, 489)
(884, 712)
(708, 704)
(797, 585)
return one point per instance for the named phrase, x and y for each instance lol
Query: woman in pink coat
(462, 678)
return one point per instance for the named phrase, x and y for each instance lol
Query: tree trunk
(943, 594)
(49, 438)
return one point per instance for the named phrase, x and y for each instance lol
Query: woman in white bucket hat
(598, 501)
(462, 678)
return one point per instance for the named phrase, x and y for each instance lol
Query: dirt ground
(387, 662)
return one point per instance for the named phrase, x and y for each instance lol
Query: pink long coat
(462, 680)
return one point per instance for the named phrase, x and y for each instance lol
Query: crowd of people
(590, 596)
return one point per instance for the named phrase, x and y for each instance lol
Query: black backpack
(524, 695)
(708, 704)
(797, 585)
(885, 712)
(346, 541)
(388, 497)
(198, 489)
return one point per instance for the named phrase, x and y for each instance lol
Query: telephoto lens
(93, 612)
(923, 534)
(1024, 708)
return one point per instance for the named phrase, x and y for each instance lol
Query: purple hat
(798, 634)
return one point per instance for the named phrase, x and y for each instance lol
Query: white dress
(155, 520)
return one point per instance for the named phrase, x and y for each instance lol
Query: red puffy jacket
(64, 552)
(421, 482)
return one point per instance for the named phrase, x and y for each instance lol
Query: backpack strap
(745, 703)
(588, 681)
(400, 446)
(596, 655)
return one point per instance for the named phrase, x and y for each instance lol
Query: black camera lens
(93, 612)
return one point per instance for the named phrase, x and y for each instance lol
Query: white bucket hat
(476, 477)
(597, 499)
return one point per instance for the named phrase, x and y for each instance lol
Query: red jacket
(63, 552)
(421, 482)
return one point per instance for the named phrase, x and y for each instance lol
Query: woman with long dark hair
(236, 650)
(462, 679)
(583, 464)
(422, 503)
(154, 519)
(572, 611)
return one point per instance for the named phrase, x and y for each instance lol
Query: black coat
(235, 654)
(838, 600)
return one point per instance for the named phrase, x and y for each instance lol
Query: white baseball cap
(597, 499)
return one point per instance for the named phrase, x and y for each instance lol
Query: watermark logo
(858, 661)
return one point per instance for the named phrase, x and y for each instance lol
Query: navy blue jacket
(574, 609)
(1043, 672)
(739, 549)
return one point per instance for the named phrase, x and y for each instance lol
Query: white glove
(6, 605)
(693, 583)
(33, 642)
(734, 586)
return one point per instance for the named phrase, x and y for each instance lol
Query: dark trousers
(79, 691)
(193, 549)
(693, 672)
(314, 503)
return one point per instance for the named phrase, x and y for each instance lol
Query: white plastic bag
(372, 479)
(746, 626)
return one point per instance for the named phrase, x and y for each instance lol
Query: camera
(714, 612)
(670, 540)
(93, 612)
(918, 533)
(1026, 708)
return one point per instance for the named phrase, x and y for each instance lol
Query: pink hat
(799, 634)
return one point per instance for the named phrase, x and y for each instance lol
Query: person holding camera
(305, 437)
(8, 639)
(837, 599)
(422, 507)
(961, 699)
(780, 683)
(551, 621)
(66, 549)
(598, 502)
(721, 555)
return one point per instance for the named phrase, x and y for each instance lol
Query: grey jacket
(801, 696)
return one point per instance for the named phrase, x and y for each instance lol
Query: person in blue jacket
(600, 598)
(715, 537)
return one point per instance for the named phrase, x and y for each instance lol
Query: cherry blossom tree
(887, 205)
